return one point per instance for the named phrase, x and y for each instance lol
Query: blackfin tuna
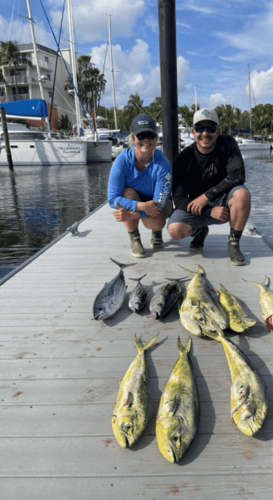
(138, 296)
(111, 297)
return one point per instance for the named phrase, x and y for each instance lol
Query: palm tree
(10, 56)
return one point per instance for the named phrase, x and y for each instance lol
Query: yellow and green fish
(249, 404)
(198, 311)
(266, 301)
(133, 406)
(238, 319)
(178, 412)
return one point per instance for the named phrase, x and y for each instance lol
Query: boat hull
(45, 152)
(99, 151)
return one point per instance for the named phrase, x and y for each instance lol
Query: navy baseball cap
(143, 123)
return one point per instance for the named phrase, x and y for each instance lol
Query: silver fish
(138, 296)
(165, 298)
(111, 297)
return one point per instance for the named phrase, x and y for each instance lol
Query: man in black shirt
(208, 187)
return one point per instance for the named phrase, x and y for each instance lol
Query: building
(22, 82)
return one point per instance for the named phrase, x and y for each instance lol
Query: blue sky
(215, 43)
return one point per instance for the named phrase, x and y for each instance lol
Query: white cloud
(217, 100)
(90, 18)
(262, 84)
(133, 72)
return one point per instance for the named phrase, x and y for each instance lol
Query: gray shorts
(196, 221)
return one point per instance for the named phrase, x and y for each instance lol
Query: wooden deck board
(60, 371)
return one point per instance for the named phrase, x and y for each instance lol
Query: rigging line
(11, 20)
(67, 70)
(56, 64)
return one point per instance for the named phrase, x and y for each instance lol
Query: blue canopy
(31, 108)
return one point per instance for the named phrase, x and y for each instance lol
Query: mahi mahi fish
(165, 298)
(133, 406)
(178, 412)
(138, 296)
(266, 301)
(198, 311)
(111, 297)
(238, 319)
(249, 404)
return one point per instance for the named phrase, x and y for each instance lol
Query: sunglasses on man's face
(146, 135)
(211, 129)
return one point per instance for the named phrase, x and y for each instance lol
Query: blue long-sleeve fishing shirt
(154, 181)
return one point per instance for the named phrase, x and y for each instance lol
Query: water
(37, 204)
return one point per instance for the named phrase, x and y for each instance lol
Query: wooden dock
(60, 372)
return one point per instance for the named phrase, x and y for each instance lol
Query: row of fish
(111, 298)
(178, 412)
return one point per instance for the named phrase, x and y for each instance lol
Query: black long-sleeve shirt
(211, 174)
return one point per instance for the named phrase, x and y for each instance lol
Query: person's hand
(151, 208)
(123, 215)
(195, 206)
(219, 213)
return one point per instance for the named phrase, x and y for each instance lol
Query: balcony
(19, 79)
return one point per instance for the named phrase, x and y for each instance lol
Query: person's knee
(240, 199)
(177, 230)
(130, 193)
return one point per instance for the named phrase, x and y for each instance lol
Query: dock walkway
(60, 371)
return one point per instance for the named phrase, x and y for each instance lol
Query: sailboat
(29, 147)
(98, 150)
(249, 147)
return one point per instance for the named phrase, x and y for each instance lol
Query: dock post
(6, 137)
(168, 72)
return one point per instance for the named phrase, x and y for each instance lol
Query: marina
(60, 372)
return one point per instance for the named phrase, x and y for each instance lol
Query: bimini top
(27, 108)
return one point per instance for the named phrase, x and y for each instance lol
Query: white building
(22, 82)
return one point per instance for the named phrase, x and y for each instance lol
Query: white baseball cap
(205, 114)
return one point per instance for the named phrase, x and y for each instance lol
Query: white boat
(253, 149)
(29, 147)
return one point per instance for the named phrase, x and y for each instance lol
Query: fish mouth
(173, 454)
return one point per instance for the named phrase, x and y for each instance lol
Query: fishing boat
(30, 147)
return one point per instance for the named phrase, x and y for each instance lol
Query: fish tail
(181, 348)
(138, 279)
(200, 270)
(142, 348)
(118, 263)
(258, 285)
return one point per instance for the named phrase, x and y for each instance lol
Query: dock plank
(60, 372)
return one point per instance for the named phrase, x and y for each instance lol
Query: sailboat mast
(74, 66)
(249, 95)
(112, 71)
(31, 22)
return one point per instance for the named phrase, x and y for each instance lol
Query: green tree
(91, 83)
(64, 124)
(10, 56)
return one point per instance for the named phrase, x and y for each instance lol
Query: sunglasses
(146, 135)
(211, 129)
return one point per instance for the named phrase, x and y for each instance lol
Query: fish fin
(188, 270)
(130, 400)
(142, 348)
(217, 335)
(118, 263)
(266, 281)
(181, 348)
(201, 270)
(175, 405)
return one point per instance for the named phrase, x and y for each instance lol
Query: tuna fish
(165, 298)
(238, 319)
(178, 412)
(111, 297)
(266, 301)
(133, 406)
(249, 404)
(198, 311)
(138, 296)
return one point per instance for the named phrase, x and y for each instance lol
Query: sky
(217, 42)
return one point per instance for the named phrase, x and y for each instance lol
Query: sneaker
(156, 240)
(137, 249)
(235, 255)
(199, 238)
